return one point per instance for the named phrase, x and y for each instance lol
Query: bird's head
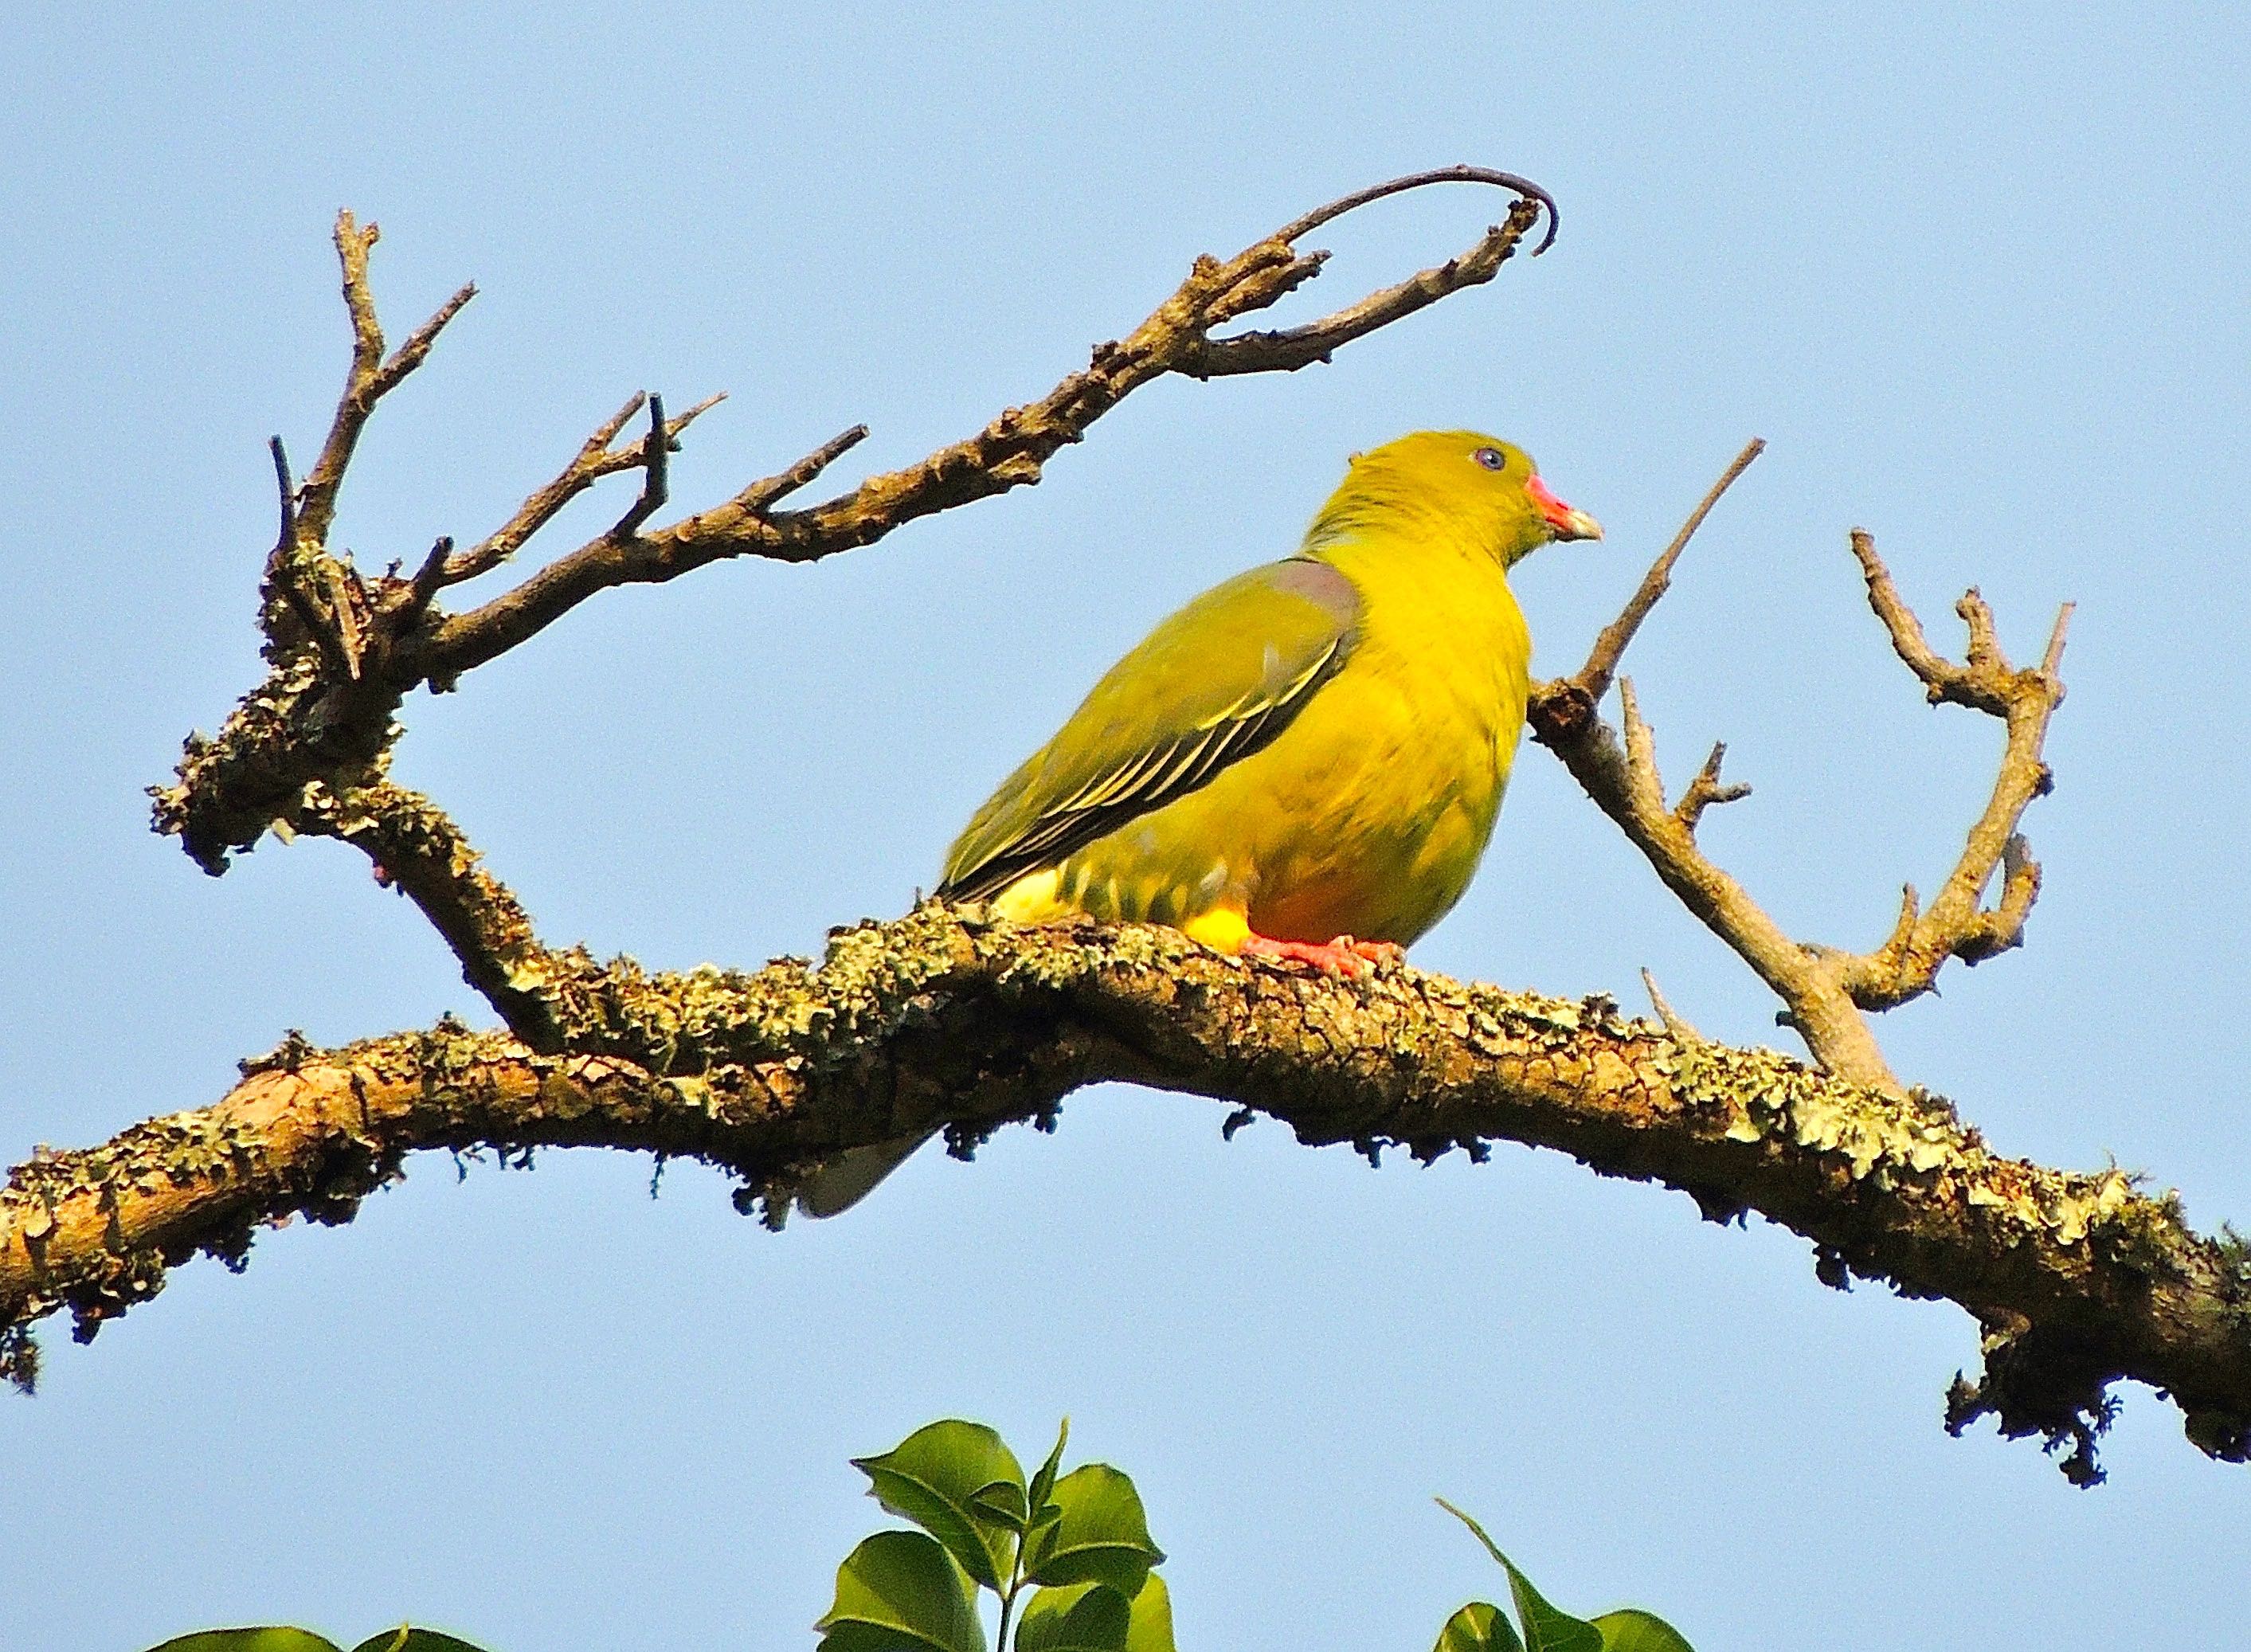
(1478, 488)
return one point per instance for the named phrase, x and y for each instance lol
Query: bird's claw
(1344, 956)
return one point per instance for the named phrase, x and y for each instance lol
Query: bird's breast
(1368, 814)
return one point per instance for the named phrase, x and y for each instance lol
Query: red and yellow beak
(1567, 522)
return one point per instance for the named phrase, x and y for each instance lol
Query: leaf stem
(1015, 1585)
(1008, 1603)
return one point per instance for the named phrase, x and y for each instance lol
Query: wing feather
(1218, 682)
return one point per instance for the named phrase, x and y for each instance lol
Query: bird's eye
(1490, 457)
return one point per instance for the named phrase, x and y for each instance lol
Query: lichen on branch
(943, 1018)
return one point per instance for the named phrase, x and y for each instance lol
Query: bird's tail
(846, 1179)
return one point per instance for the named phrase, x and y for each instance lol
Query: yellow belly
(1367, 817)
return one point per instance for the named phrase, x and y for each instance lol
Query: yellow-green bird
(1305, 762)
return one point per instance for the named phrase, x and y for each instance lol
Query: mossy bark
(943, 1020)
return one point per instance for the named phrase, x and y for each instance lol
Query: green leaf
(1099, 1534)
(1078, 1617)
(1479, 1627)
(1631, 1630)
(265, 1640)
(902, 1591)
(958, 1483)
(1003, 1505)
(1546, 1629)
(1042, 1490)
(1151, 1629)
(406, 1639)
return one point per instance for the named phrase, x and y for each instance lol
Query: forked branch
(1959, 923)
(1824, 990)
(1011, 450)
(373, 375)
(595, 459)
(325, 713)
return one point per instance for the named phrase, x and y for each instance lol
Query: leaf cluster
(1073, 1548)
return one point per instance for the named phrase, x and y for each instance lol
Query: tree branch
(325, 713)
(1593, 679)
(943, 1018)
(1009, 453)
(1824, 990)
(1957, 925)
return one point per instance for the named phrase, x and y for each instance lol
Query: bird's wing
(1216, 683)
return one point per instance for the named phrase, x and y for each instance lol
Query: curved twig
(1297, 229)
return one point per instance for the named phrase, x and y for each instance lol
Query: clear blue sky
(1977, 274)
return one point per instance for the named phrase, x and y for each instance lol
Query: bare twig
(286, 571)
(1706, 788)
(1640, 752)
(423, 588)
(655, 474)
(286, 540)
(1009, 451)
(771, 490)
(408, 356)
(594, 459)
(1593, 679)
(1676, 1024)
(1824, 990)
(1297, 229)
(342, 608)
(370, 378)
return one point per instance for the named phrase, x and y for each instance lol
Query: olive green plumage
(1312, 749)
(1218, 682)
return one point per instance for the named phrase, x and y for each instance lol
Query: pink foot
(1342, 956)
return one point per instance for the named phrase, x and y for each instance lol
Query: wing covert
(1218, 682)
